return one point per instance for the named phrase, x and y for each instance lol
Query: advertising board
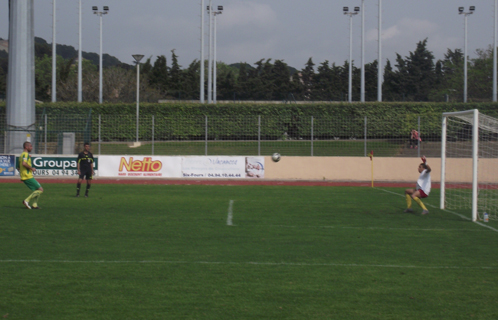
(7, 165)
(221, 167)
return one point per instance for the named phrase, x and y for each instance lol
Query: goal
(469, 164)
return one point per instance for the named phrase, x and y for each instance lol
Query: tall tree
(449, 77)
(390, 86)
(419, 70)
(159, 77)
(307, 76)
(175, 73)
(281, 83)
(242, 81)
(371, 81)
(191, 79)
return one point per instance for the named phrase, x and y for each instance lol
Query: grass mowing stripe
(289, 264)
(455, 213)
(230, 213)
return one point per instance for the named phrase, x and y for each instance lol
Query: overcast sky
(250, 30)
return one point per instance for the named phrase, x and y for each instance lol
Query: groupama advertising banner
(181, 167)
(58, 166)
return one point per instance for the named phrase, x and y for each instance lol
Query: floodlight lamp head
(345, 9)
(472, 8)
(106, 8)
(95, 8)
(356, 9)
(137, 57)
(460, 10)
(220, 8)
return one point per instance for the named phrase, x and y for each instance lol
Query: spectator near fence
(414, 139)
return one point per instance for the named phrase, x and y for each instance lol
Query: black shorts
(86, 174)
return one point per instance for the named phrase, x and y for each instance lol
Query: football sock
(36, 197)
(78, 187)
(87, 188)
(420, 203)
(31, 196)
(408, 201)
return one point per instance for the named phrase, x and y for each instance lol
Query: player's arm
(93, 166)
(27, 166)
(424, 160)
(78, 160)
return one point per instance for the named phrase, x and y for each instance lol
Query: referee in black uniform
(85, 169)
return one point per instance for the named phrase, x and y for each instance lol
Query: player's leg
(88, 183)
(37, 197)
(416, 197)
(408, 196)
(78, 185)
(34, 186)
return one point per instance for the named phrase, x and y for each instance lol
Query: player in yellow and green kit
(26, 172)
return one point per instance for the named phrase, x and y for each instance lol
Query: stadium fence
(235, 135)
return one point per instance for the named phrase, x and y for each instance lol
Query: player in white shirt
(423, 187)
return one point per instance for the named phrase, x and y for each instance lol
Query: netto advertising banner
(140, 166)
(7, 165)
(58, 166)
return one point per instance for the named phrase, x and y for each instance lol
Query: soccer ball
(275, 157)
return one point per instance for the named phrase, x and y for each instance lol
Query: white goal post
(469, 161)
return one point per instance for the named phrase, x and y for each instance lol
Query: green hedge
(393, 109)
(185, 121)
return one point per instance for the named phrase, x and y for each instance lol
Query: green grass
(354, 148)
(166, 252)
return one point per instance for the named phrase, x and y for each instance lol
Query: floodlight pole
(220, 9)
(54, 53)
(362, 90)
(137, 58)
(466, 14)
(210, 54)
(495, 62)
(350, 82)
(80, 77)
(201, 89)
(379, 63)
(100, 14)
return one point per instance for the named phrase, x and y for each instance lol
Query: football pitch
(241, 252)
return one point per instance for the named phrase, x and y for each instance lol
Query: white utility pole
(210, 54)
(220, 10)
(495, 62)
(101, 66)
(466, 14)
(80, 58)
(201, 89)
(54, 53)
(351, 15)
(362, 51)
(380, 69)
(137, 58)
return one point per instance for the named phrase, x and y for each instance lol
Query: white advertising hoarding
(221, 167)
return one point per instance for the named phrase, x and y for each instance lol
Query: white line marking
(289, 264)
(359, 228)
(230, 213)
(455, 213)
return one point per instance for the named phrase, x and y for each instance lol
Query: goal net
(469, 164)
